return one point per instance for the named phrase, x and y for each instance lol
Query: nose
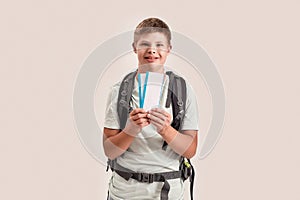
(152, 50)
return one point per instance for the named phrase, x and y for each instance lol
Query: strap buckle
(146, 178)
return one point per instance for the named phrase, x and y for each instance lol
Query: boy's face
(152, 50)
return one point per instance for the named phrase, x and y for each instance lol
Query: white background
(255, 45)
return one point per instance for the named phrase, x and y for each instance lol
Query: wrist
(164, 130)
(131, 129)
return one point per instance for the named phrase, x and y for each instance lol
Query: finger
(137, 110)
(160, 110)
(138, 116)
(155, 119)
(145, 124)
(141, 121)
(157, 115)
(157, 125)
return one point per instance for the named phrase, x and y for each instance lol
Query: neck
(158, 68)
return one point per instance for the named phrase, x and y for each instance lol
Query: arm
(116, 142)
(184, 143)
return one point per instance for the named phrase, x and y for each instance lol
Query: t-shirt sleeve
(191, 117)
(111, 119)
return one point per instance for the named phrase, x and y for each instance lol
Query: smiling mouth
(151, 58)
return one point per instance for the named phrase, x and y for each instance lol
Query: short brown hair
(151, 25)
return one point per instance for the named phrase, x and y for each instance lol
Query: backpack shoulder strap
(124, 96)
(123, 105)
(176, 96)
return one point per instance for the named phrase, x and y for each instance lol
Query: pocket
(119, 185)
(176, 189)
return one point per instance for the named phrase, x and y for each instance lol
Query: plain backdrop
(254, 44)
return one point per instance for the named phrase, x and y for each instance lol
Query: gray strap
(164, 194)
(124, 97)
(150, 178)
(170, 88)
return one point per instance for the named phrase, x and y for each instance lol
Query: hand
(136, 121)
(160, 118)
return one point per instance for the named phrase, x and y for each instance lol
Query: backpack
(177, 96)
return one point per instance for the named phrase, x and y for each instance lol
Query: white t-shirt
(145, 154)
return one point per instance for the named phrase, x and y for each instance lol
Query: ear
(169, 48)
(134, 48)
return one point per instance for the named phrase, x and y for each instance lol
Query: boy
(136, 149)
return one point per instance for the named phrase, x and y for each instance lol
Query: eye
(160, 45)
(144, 44)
